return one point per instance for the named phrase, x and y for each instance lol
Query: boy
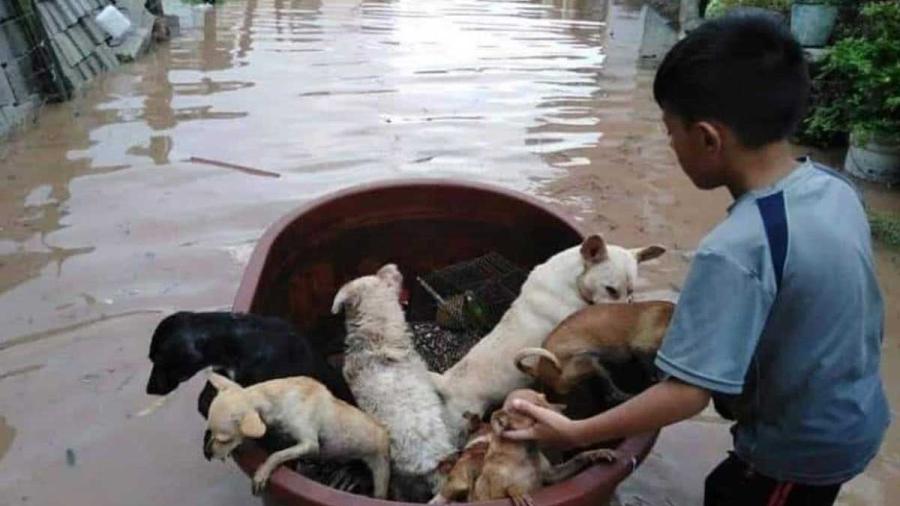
(780, 319)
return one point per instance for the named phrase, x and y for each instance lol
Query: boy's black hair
(745, 70)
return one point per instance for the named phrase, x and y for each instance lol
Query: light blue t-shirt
(782, 310)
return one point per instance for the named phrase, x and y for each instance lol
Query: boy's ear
(711, 136)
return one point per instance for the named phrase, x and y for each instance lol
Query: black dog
(247, 348)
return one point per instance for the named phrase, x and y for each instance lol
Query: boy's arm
(662, 404)
(708, 348)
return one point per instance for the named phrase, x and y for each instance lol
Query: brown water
(105, 226)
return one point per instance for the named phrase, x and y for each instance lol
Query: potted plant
(812, 21)
(865, 66)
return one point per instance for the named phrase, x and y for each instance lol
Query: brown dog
(513, 469)
(462, 472)
(597, 335)
(305, 410)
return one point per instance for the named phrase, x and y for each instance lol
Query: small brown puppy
(305, 410)
(513, 469)
(465, 469)
(595, 335)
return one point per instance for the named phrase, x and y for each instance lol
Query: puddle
(7, 434)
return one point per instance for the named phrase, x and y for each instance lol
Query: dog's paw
(260, 479)
(521, 500)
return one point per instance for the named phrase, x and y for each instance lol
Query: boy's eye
(612, 292)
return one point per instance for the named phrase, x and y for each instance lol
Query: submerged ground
(105, 226)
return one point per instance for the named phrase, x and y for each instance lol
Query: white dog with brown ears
(591, 273)
(389, 380)
(322, 425)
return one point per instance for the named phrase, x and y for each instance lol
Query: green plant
(861, 76)
(717, 8)
(885, 228)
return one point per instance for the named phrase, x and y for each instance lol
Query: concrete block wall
(19, 69)
(79, 44)
(57, 48)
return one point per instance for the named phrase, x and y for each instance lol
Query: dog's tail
(526, 353)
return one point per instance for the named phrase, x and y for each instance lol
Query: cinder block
(19, 77)
(86, 7)
(97, 35)
(15, 38)
(7, 97)
(6, 49)
(75, 7)
(107, 56)
(46, 18)
(69, 52)
(6, 126)
(81, 39)
(56, 14)
(69, 16)
(72, 77)
(86, 71)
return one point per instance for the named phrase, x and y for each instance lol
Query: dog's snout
(156, 384)
(207, 445)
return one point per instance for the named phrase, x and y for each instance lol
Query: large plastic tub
(302, 260)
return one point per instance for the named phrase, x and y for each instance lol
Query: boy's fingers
(538, 413)
(521, 434)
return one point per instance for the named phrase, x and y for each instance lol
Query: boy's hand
(550, 428)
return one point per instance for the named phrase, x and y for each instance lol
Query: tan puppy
(605, 333)
(591, 273)
(303, 408)
(513, 469)
(463, 472)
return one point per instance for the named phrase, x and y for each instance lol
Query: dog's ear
(252, 425)
(221, 382)
(593, 249)
(346, 294)
(499, 421)
(473, 421)
(446, 464)
(648, 253)
(391, 274)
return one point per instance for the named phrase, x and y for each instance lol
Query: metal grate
(492, 281)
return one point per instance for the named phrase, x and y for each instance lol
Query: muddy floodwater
(106, 224)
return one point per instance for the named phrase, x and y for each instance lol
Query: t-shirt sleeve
(716, 326)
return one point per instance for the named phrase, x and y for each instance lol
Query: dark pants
(734, 483)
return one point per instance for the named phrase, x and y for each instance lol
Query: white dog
(390, 381)
(570, 280)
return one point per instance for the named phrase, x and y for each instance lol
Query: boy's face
(698, 146)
